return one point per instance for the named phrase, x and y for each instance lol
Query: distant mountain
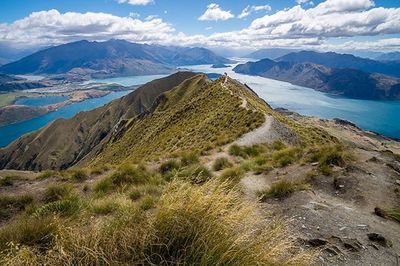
(394, 56)
(350, 83)
(110, 58)
(341, 61)
(270, 53)
(11, 83)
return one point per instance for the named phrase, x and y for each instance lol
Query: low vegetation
(282, 189)
(11, 205)
(189, 224)
(221, 163)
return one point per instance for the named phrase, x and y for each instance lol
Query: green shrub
(29, 231)
(104, 206)
(57, 192)
(168, 166)
(103, 186)
(79, 175)
(189, 159)
(286, 156)
(282, 189)
(135, 194)
(232, 174)
(147, 203)
(244, 151)
(10, 205)
(197, 174)
(128, 174)
(393, 213)
(64, 207)
(221, 163)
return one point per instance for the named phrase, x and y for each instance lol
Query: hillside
(186, 170)
(343, 61)
(350, 83)
(393, 56)
(110, 58)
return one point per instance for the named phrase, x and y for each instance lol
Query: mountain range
(110, 58)
(341, 61)
(346, 82)
(270, 53)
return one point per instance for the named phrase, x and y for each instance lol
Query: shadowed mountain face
(350, 83)
(394, 56)
(341, 61)
(64, 142)
(111, 58)
(270, 53)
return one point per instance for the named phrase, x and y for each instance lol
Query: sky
(224, 24)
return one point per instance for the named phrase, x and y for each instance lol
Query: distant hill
(394, 56)
(110, 58)
(270, 53)
(342, 61)
(350, 83)
(12, 83)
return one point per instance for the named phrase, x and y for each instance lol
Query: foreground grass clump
(329, 156)
(232, 175)
(221, 163)
(47, 174)
(245, 151)
(286, 156)
(57, 192)
(190, 225)
(28, 231)
(124, 176)
(7, 181)
(10, 205)
(282, 189)
(79, 175)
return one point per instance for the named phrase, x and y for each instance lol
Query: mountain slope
(342, 61)
(110, 58)
(393, 56)
(64, 142)
(346, 82)
(270, 53)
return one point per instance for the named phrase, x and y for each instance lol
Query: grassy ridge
(197, 115)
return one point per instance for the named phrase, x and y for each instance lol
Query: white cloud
(136, 2)
(134, 15)
(312, 28)
(214, 12)
(250, 9)
(53, 27)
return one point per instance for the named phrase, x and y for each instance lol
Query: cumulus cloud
(250, 9)
(311, 28)
(214, 12)
(136, 2)
(53, 27)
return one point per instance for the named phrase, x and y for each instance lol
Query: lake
(40, 101)
(11, 132)
(379, 116)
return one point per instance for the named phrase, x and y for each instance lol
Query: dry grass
(282, 189)
(192, 225)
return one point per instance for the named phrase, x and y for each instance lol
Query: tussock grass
(64, 207)
(169, 165)
(47, 174)
(232, 175)
(57, 192)
(245, 151)
(190, 158)
(10, 205)
(208, 224)
(28, 231)
(329, 156)
(282, 189)
(79, 175)
(221, 163)
(286, 156)
(393, 213)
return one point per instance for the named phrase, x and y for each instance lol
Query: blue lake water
(11, 132)
(379, 116)
(128, 81)
(41, 101)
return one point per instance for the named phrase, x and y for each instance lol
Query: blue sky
(162, 21)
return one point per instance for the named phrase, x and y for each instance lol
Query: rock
(380, 239)
(352, 245)
(333, 250)
(317, 242)
(362, 226)
(380, 212)
(398, 182)
(342, 228)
